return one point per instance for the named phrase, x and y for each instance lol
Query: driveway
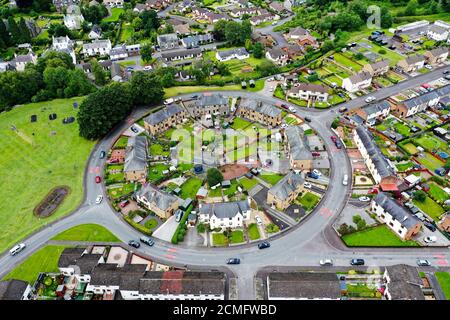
(166, 231)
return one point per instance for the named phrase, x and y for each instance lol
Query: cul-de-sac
(224, 150)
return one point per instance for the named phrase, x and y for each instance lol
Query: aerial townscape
(224, 150)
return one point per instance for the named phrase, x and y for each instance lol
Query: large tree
(214, 177)
(4, 34)
(18, 87)
(104, 109)
(147, 88)
(14, 30)
(146, 52)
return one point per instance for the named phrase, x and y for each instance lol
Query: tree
(258, 50)
(411, 8)
(361, 224)
(78, 84)
(146, 52)
(100, 75)
(58, 30)
(356, 218)
(4, 35)
(327, 46)
(237, 33)
(359, 56)
(94, 14)
(386, 18)
(104, 109)
(54, 59)
(214, 177)
(150, 21)
(223, 68)
(420, 196)
(146, 88)
(219, 30)
(267, 68)
(14, 30)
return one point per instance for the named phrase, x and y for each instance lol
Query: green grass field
(309, 201)
(430, 162)
(430, 207)
(190, 187)
(44, 260)
(380, 236)
(271, 178)
(87, 232)
(412, 149)
(444, 281)
(247, 183)
(237, 236)
(253, 232)
(219, 239)
(437, 192)
(115, 14)
(126, 32)
(34, 159)
(240, 124)
(341, 59)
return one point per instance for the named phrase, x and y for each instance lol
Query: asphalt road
(303, 245)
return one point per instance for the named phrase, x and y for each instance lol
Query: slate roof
(360, 77)
(118, 51)
(97, 44)
(223, 210)
(287, 185)
(380, 64)
(12, 289)
(312, 87)
(160, 198)
(297, 147)
(437, 29)
(136, 154)
(126, 277)
(304, 285)
(404, 283)
(75, 257)
(167, 38)
(260, 107)
(211, 100)
(299, 31)
(438, 51)
(427, 97)
(414, 59)
(238, 52)
(376, 107)
(193, 41)
(397, 211)
(181, 53)
(163, 114)
(276, 53)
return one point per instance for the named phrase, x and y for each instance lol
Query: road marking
(442, 262)
(325, 212)
(172, 250)
(170, 256)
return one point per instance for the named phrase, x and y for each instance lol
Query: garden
(379, 236)
(308, 201)
(430, 207)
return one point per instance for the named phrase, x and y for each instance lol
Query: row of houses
(171, 41)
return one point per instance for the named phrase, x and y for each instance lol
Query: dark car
(102, 154)
(307, 119)
(134, 243)
(446, 72)
(147, 240)
(195, 96)
(234, 261)
(430, 226)
(338, 145)
(357, 262)
(264, 245)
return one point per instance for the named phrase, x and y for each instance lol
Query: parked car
(370, 99)
(259, 221)
(357, 262)
(134, 243)
(312, 175)
(99, 199)
(102, 154)
(423, 263)
(430, 239)
(364, 199)
(17, 248)
(234, 261)
(98, 179)
(292, 109)
(315, 154)
(264, 245)
(307, 185)
(342, 109)
(115, 160)
(124, 203)
(446, 72)
(338, 144)
(333, 138)
(326, 262)
(307, 119)
(345, 180)
(134, 129)
(429, 226)
(147, 240)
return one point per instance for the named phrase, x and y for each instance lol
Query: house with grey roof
(303, 286)
(285, 191)
(403, 283)
(12, 289)
(374, 111)
(168, 41)
(161, 203)
(181, 54)
(97, 47)
(20, 61)
(436, 56)
(300, 157)
(358, 81)
(237, 53)
(165, 118)
(309, 91)
(209, 103)
(437, 33)
(136, 167)
(412, 63)
(399, 219)
(278, 56)
(225, 215)
(197, 40)
(118, 53)
(377, 68)
(261, 112)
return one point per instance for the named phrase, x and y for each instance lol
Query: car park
(134, 243)
(98, 179)
(326, 262)
(264, 245)
(17, 248)
(364, 199)
(357, 262)
(430, 239)
(423, 263)
(234, 261)
(99, 199)
(147, 240)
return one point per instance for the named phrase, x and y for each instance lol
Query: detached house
(165, 118)
(73, 19)
(64, 44)
(118, 53)
(358, 81)
(260, 111)
(300, 157)
(412, 63)
(277, 56)
(97, 47)
(282, 194)
(437, 33)
(301, 36)
(95, 33)
(309, 91)
(168, 41)
(265, 17)
(226, 55)
(377, 68)
(374, 111)
(436, 56)
(20, 61)
(135, 167)
(399, 219)
(225, 214)
(182, 54)
(197, 40)
(161, 203)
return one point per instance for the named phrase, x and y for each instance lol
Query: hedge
(138, 227)
(178, 235)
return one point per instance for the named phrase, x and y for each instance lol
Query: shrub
(201, 228)
(382, 51)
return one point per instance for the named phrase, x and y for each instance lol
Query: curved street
(302, 245)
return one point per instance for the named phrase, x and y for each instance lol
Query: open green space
(444, 282)
(309, 200)
(175, 91)
(429, 142)
(404, 166)
(126, 32)
(87, 232)
(380, 236)
(343, 60)
(34, 159)
(402, 129)
(190, 187)
(240, 124)
(410, 148)
(116, 192)
(44, 260)
(219, 239)
(253, 232)
(155, 172)
(430, 207)
(157, 149)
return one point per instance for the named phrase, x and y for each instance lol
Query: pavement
(301, 245)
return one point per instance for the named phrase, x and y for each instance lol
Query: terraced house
(225, 214)
(374, 111)
(436, 56)
(135, 167)
(412, 63)
(285, 191)
(260, 111)
(165, 118)
(161, 203)
(300, 157)
(213, 104)
(377, 68)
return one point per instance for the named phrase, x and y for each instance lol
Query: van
(17, 248)
(345, 180)
(168, 101)
(178, 216)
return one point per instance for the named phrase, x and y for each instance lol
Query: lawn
(271, 178)
(219, 239)
(175, 91)
(44, 260)
(430, 143)
(437, 192)
(444, 282)
(247, 183)
(190, 187)
(157, 149)
(155, 172)
(404, 166)
(87, 232)
(309, 200)
(430, 207)
(115, 15)
(430, 162)
(126, 32)
(237, 236)
(402, 129)
(253, 232)
(240, 124)
(34, 159)
(410, 148)
(121, 143)
(341, 59)
(380, 236)
(117, 192)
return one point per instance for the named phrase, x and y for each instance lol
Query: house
(302, 37)
(133, 49)
(266, 39)
(375, 161)
(213, 104)
(97, 47)
(226, 55)
(20, 61)
(358, 81)
(309, 91)
(78, 262)
(136, 167)
(197, 40)
(300, 157)
(303, 286)
(403, 283)
(399, 219)
(13, 289)
(161, 203)
(73, 21)
(436, 56)
(165, 118)
(118, 53)
(412, 26)
(260, 111)
(444, 224)
(64, 44)
(277, 56)
(113, 3)
(377, 68)
(182, 29)
(182, 54)
(225, 215)
(293, 50)
(168, 41)
(239, 12)
(60, 5)
(412, 63)
(277, 7)
(95, 33)
(285, 191)
(201, 14)
(374, 111)
(265, 17)
(437, 33)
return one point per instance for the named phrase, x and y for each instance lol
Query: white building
(20, 61)
(97, 47)
(64, 44)
(277, 56)
(357, 81)
(437, 33)
(113, 3)
(73, 21)
(118, 53)
(238, 53)
(225, 214)
(309, 91)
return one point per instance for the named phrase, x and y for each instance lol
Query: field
(253, 232)
(237, 236)
(444, 281)
(438, 193)
(271, 178)
(87, 232)
(34, 159)
(44, 260)
(429, 143)
(247, 183)
(341, 59)
(430, 207)
(380, 236)
(309, 200)
(410, 148)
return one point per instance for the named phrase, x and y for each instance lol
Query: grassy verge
(87, 232)
(444, 281)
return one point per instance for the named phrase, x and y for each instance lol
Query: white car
(17, 248)
(99, 199)
(317, 172)
(148, 68)
(258, 220)
(364, 199)
(326, 262)
(428, 67)
(345, 180)
(369, 99)
(431, 239)
(292, 109)
(307, 185)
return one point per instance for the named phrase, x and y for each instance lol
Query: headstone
(33, 118)
(52, 116)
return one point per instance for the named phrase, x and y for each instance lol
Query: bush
(201, 228)
(137, 226)
(382, 51)
(272, 228)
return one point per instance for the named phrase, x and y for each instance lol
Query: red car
(333, 138)
(124, 203)
(315, 154)
(98, 179)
